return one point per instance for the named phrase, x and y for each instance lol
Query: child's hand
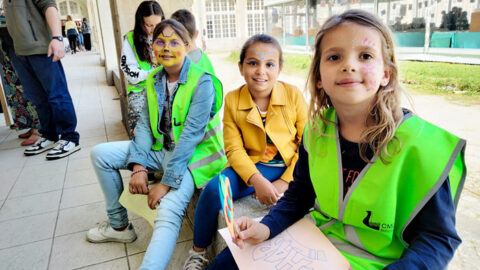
(156, 193)
(251, 232)
(265, 192)
(280, 185)
(139, 183)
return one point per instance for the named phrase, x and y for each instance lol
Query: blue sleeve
(297, 200)
(192, 133)
(431, 235)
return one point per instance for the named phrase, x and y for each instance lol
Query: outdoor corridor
(46, 207)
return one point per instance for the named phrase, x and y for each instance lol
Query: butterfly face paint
(168, 48)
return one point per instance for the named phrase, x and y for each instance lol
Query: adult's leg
(88, 44)
(37, 94)
(72, 40)
(107, 160)
(168, 222)
(52, 78)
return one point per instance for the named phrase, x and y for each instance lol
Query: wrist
(140, 170)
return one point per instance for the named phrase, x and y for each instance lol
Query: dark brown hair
(176, 26)
(140, 36)
(186, 18)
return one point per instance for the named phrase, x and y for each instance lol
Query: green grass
(441, 78)
(424, 77)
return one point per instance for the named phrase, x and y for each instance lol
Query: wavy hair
(385, 114)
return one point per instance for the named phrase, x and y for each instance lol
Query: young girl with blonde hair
(384, 184)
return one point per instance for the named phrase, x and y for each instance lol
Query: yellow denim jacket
(245, 135)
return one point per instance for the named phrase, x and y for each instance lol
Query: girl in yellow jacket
(263, 125)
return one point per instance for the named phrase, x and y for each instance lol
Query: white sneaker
(62, 149)
(105, 233)
(40, 146)
(196, 260)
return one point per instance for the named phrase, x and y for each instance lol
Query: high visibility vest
(205, 64)
(367, 226)
(144, 65)
(209, 157)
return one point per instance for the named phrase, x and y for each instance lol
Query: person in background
(42, 75)
(87, 30)
(72, 33)
(137, 58)
(196, 54)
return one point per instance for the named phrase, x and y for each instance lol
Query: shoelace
(103, 226)
(60, 144)
(196, 261)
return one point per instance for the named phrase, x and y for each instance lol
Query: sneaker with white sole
(62, 149)
(42, 145)
(105, 233)
(196, 261)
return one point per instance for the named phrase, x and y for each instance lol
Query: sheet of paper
(301, 246)
(137, 203)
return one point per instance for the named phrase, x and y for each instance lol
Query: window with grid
(63, 8)
(255, 17)
(220, 18)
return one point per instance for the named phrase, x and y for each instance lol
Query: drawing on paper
(285, 253)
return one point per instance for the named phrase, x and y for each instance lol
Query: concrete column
(96, 35)
(108, 39)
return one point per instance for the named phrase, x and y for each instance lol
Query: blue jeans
(223, 261)
(205, 222)
(45, 86)
(108, 159)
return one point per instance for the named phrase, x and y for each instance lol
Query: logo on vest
(383, 227)
(175, 122)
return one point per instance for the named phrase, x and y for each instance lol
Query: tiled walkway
(46, 207)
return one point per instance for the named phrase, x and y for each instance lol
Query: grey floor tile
(34, 185)
(80, 219)
(83, 153)
(41, 160)
(81, 195)
(7, 181)
(30, 205)
(12, 158)
(144, 234)
(29, 256)
(118, 264)
(73, 251)
(79, 164)
(56, 167)
(80, 178)
(26, 230)
(135, 261)
(92, 141)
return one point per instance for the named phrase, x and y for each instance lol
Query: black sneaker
(62, 149)
(40, 146)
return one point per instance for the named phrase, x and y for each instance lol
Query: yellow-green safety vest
(205, 64)
(209, 157)
(144, 65)
(367, 226)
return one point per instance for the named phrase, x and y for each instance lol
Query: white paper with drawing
(301, 246)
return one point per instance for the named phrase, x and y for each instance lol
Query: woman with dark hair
(72, 33)
(179, 133)
(137, 61)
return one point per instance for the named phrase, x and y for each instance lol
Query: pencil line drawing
(286, 253)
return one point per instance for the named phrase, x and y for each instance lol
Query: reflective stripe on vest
(381, 202)
(209, 156)
(144, 65)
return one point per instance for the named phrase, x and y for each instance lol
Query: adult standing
(36, 32)
(86, 30)
(72, 33)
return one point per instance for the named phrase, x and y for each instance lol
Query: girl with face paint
(179, 133)
(383, 184)
(137, 58)
(263, 124)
